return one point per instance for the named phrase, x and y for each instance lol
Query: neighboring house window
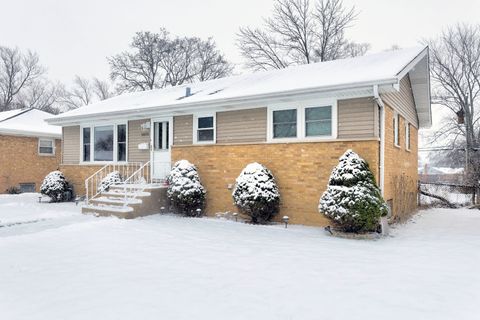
(27, 187)
(205, 129)
(46, 147)
(318, 121)
(104, 143)
(396, 129)
(86, 144)
(285, 123)
(121, 142)
(407, 136)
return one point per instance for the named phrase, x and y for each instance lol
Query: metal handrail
(92, 182)
(142, 176)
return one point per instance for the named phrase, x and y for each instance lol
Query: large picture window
(104, 143)
(318, 121)
(285, 123)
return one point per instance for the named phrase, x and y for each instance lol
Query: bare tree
(455, 69)
(17, 72)
(300, 33)
(42, 95)
(102, 89)
(157, 60)
(83, 92)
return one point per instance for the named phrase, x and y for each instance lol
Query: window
(27, 187)
(46, 147)
(407, 136)
(318, 121)
(205, 129)
(86, 144)
(122, 142)
(161, 138)
(395, 129)
(103, 143)
(285, 123)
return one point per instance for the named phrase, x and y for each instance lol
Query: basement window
(46, 147)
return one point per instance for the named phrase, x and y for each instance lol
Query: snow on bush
(256, 193)
(352, 199)
(185, 190)
(55, 186)
(111, 178)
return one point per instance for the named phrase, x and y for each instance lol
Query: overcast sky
(75, 37)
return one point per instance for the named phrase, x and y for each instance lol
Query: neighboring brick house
(297, 121)
(29, 149)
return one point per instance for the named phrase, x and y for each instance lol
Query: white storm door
(162, 135)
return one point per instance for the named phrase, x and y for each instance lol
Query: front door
(162, 135)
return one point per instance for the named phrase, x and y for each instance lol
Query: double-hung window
(104, 143)
(285, 123)
(46, 147)
(396, 134)
(407, 136)
(318, 121)
(205, 129)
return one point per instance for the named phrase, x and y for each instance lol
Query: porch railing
(92, 183)
(134, 185)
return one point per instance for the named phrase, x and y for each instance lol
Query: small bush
(185, 190)
(13, 190)
(55, 186)
(352, 199)
(110, 179)
(256, 193)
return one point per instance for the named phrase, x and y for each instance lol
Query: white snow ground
(71, 266)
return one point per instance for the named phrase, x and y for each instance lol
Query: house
(296, 121)
(29, 149)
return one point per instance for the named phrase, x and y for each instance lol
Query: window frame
(407, 136)
(53, 147)
(396, 129)
(301, 106)
(195, 127)
(92, 126)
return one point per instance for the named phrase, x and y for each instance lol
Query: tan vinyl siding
(135, 137)
(71, 145)
(183, 130)
(240, 126)
(403, 101)
(357, 118)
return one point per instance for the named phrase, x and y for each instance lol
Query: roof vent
(188, 92)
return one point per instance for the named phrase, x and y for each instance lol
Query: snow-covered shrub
(185, 190)
(256, 193)
(55, 186)
(352, 199)
(111, 178)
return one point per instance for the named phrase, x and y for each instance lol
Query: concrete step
(108, 210)
(136, 186)
(121, 194)
(114, 201)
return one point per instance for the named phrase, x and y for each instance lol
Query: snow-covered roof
(28, 122)
(384, 68)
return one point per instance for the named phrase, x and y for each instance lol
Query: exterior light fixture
(285, 220)
(235, 215)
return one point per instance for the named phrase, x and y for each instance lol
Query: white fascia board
(412, 64)
(35, 134)
(236, 102)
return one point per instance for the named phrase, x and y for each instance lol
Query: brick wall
(76, 175)
(301, 169)
(401, 168)
(21, 163)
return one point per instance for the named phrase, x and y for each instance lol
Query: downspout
(381, 168)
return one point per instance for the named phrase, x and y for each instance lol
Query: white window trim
(300, 106)
(92, 145)
(195, 127)
(396, 129)
(407, 136)
(53, 147)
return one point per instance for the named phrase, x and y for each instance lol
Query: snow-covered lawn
(70, 266)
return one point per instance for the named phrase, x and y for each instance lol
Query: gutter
(59, 120)
(381, 168)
